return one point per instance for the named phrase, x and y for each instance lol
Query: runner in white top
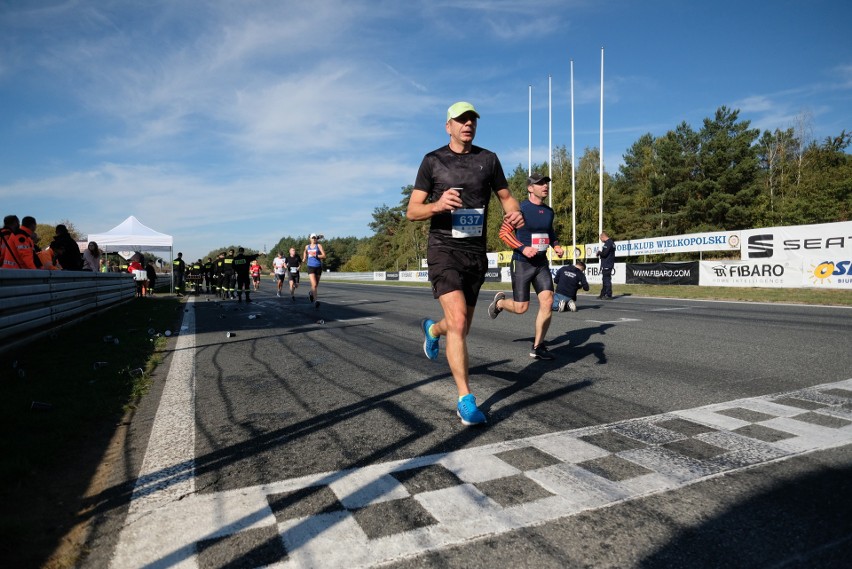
(280, 271)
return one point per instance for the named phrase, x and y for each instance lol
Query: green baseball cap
(458, 109)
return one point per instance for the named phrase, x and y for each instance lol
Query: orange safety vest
(18, 249)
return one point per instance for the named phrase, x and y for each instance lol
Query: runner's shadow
(573, 346)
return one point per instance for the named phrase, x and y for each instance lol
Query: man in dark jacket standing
(70, 259)
(607, 257)
(242, 264)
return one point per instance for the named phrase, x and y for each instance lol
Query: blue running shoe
(431, 345)
(469, 413)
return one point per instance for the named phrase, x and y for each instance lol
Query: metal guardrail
(33, 302)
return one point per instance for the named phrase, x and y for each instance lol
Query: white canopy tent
(132, 235)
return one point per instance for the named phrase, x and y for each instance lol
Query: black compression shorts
(523, 274)
(451, 270)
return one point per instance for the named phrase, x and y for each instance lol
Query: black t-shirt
(479, 174)
(292, 262)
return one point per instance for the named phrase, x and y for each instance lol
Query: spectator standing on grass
(68, 252)
(92, 258)
(607, 257)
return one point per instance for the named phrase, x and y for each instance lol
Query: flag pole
(573, 177)
(550, 138)
(601, 172)
(529, 145)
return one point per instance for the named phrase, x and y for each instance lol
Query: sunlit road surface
(666, 432)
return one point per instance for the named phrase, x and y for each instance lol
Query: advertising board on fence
(691, 243)
(493, 275)
(751, 274)
(414, 276)
(593, 274)
(663, 273)
(828, 272)
(798, 242)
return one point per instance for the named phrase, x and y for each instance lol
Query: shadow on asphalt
(803, 522)
(118, 497)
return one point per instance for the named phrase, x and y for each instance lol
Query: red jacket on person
(19, 249)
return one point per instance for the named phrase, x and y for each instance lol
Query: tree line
(724, 176)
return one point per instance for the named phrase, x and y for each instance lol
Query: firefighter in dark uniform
(229, 278)
(178, 272)
(242, 264)
(197, 272)
(208, 274)
(218, 272)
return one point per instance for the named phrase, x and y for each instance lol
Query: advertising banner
(493, 275)
(751, 274)
(798, 242)
(663, 273)
(828, 273)
(414, 276)
(378, 275)
(691, 243)
(392, 275)
(593, 274)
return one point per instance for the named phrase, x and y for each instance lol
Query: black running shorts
(451, 270)
(524, 273)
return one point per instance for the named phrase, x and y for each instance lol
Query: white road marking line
(168, 469)
(619, 321)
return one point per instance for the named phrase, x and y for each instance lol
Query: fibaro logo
(594, 270)
(821, 274)
(740, 271)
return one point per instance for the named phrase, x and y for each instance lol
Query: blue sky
(239, 122)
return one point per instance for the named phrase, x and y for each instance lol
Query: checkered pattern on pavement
(365, 516)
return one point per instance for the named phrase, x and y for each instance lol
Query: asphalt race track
(667, 433)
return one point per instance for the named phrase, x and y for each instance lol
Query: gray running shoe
(572, 306)
(493, 311)
(562, 304)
